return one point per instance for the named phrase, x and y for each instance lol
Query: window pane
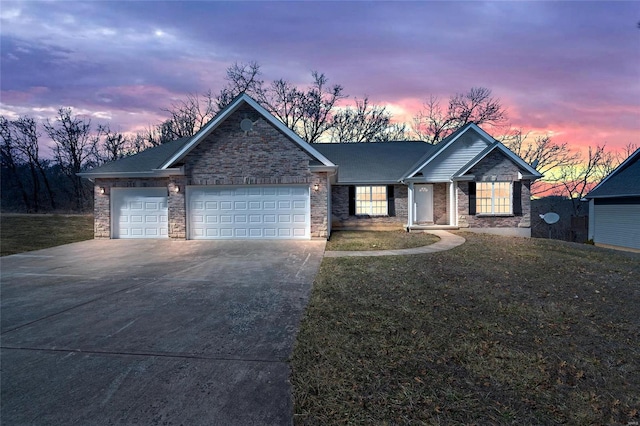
(483, 198)
(371, 200)
(493, 197)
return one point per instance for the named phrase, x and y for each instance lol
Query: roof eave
(589, 197)
(323, 168)
(369, 183)
(533, 173)
(176, 171)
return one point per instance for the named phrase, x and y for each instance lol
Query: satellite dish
(246, 124)
(550, 217)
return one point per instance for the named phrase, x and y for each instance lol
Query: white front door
(139, 213)
(249, 212)
(423, 196)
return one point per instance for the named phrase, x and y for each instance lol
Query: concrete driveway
(153, 332)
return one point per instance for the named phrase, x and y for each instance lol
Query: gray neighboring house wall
(246, 175)
(614, 207)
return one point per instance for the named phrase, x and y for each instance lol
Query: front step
(426, 227)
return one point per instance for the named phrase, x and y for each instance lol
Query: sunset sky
(570, 69)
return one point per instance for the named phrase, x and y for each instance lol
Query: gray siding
(452, 159)
(617, 225)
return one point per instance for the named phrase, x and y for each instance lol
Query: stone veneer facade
(229, 156)
(495, 167)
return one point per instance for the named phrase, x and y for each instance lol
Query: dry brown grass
(20, 233)
(378, 240)
(497, 331)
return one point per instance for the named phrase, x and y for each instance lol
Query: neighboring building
(614, 207)
(246, 175)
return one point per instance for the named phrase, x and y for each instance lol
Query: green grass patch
(27, 232)
(496, 331)
(377, 240)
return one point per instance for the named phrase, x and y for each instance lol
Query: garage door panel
(617, 225)
(249, 212)
(139, 213)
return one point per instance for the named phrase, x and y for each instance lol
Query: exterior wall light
(316, 187)
(176, 189)
(102, 191)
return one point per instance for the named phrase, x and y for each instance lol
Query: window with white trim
(371, 200)
(493, 198)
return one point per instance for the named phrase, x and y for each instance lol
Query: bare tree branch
(432, 123)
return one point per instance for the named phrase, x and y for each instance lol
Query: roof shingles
(622, 182)
(373, 162)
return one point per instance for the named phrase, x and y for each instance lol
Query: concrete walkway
(447, 242)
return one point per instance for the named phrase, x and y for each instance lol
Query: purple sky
(571, 69)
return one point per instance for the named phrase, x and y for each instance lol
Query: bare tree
(317, 105)
(545, 155)
(111, 146)
(576, 180)
(307, 112)
(433, 123)
(24, 136)
(188, 116)
(11, 159)
(73, 148)
(364, 123)
(286, 102)
(241, 78)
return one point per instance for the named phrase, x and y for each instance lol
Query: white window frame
(368, 205)
(492, 207)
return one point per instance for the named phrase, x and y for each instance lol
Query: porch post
(410, 205)
(453, 204)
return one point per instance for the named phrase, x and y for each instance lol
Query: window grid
(493, 197)
(371, 200)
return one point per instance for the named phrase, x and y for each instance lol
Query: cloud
(555, 64)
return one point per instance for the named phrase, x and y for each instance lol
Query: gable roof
(532, 173)
(373, 162)
(624, 181)
(230, 109)
(143, 164)
(160, 161)
(492, 144)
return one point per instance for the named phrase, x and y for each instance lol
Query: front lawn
(496, 331)
(378, 240)
(27, 232)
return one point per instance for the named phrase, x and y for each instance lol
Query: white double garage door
(225, 212)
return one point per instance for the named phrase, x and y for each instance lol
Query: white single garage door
(139, 213)
(617, 225)
(248, 212)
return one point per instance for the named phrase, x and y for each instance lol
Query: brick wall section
(495, 167)
(230, 156)
(102, 202)
(177, 207)
(342, 220)
(261, 156)
(440, 204)
(319, 206)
